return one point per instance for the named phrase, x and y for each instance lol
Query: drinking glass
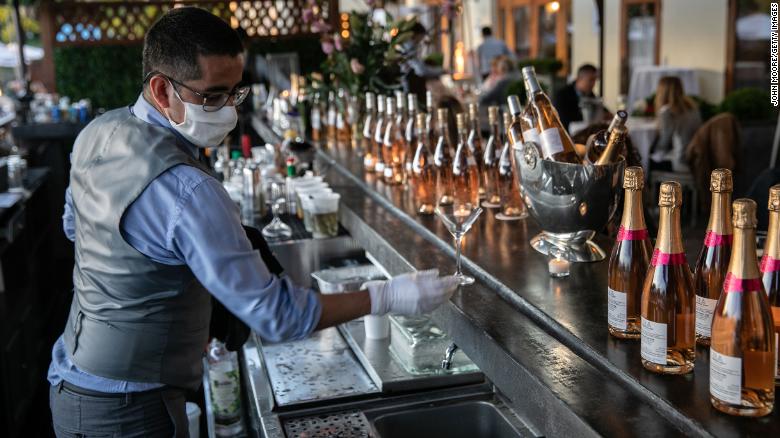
(458, 218)
(277, 230)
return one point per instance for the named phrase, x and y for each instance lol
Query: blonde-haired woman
(678, 119)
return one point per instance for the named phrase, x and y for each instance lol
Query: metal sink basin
(470, 419)
(300, 258)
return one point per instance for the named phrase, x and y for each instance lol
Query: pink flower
(356, 66)
(308, 15)
(327, 47)
(320, 27)
(338, 43)
(370, 3)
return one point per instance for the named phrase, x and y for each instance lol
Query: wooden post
(46, 17)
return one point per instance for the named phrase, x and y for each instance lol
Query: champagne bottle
(475, 141)
(490, 159)
(599, 150)
(410, 131)
(667, 296)
(394, 146)
(465, 173)
(443, 159)
(512, 205)
(713, 261)
(369, 125)
(554, 140)
(424, 170)
(770, 269)
(742, 350)
(629, 261)
(378, 137)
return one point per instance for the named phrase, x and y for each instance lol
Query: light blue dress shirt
(184, 216)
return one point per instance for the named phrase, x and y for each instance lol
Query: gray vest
(131, 319)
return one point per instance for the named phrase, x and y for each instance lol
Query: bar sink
(470, 419)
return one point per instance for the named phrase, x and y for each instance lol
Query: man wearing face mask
(155, 234)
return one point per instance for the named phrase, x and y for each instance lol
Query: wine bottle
(394, 146)
(629, 261)
(410, 131)
(369, 125)
(713, 262)
(512, 205)
(742, 350)
(379, 132)
(465, 173)
(668, 301)
(599, 151)
(430, 118)
(475, 141)
(316, 118)
(524, 125)
(424, 170)
(343, 129)
(490, 159)
(443, 159)
(555, 142)
(770, 269)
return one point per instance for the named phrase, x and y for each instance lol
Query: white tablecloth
(642, 131)
(644, 81)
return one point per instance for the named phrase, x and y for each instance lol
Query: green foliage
(435, 59)
(706, 109)
(109, 75)
(541, 65)
(518, 88)
(32, 29)
(748, 104)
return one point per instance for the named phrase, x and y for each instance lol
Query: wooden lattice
(84, 23)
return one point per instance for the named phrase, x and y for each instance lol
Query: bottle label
(725, 377)
(705, 307)
(332, 117)
(550, 141)
(653, 341)
(530, 134)
(662, 258)
(316, 123)
(734, 284)
(624, 234)
(225, 393)
(712, 239)
(768, 264)
(617, 302)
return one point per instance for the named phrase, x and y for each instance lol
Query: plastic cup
(377, 327)
(303, 191)
(307, 205)
(325, 215)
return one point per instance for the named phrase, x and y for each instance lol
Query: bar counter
(541, 340)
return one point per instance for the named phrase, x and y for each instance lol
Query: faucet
(446, 363)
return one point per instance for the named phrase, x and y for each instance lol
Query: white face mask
(205, 129)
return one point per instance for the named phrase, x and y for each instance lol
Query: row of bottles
(726, 303)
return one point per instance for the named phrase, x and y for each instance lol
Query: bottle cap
(420, 122)
(400, 98)
(429, 100)
(514, 104)
(744, 215)
(507, 120)
(774, 198)
(380, 103)
(493, 114)
(633, 178)
(531, 83)
(473, 111)
(721, 181)
(369, 100)
(461, 119)
(411, 102)
(670, 195)
(389, 106)
(442, 114)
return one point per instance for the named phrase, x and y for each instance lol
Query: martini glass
(458, 218)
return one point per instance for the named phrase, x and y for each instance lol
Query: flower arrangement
(370, 59)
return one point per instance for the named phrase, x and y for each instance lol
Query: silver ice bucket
(570, 202)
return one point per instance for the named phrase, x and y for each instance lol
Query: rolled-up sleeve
(208, 236)
(68, 222)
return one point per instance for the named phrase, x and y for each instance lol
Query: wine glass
(458, 218)
(277, 230)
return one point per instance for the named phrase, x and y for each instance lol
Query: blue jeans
(82, 414)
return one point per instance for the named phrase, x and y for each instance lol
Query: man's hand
(410, 294)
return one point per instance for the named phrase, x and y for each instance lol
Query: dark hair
(586, 68)
(487, 31)
(173, 43)
(418, 29)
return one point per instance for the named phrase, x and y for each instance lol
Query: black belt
(90, 393)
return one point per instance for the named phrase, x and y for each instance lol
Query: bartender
(155, 234)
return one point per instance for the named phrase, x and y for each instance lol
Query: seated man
(567, 99)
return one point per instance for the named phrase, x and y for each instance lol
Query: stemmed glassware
(277, 230)
(458, 218)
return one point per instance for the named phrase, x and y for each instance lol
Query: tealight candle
(558, 267)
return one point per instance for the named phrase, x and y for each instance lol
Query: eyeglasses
(212, 101)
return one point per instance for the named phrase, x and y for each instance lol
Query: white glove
(410, 294)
